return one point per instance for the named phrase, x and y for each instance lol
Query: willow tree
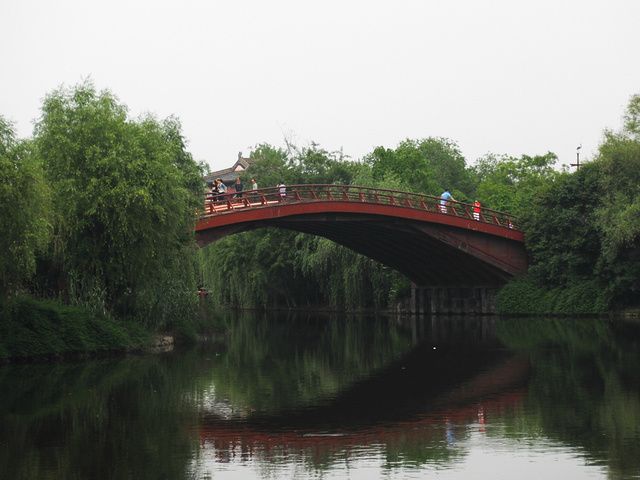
(24, 207)
(124, 201)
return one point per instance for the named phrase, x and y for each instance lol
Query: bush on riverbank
(524, 295)
(35, 328)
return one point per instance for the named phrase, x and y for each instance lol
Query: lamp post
(577, 164)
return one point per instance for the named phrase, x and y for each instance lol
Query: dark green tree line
(583, 232)
(98, 209)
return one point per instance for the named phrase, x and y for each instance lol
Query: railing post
(407, 202)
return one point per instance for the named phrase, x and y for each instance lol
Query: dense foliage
(30, 328)
(124, 203)
(273, 268)
(583, 231)
(97, 210)
(425, 166)
(510, 184)
(100, 209)
(24, 210)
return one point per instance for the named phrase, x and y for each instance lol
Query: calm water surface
(337, 397)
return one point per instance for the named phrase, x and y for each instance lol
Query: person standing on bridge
(283, 191)
(476, 210)
(222, 189)
(255, 186)
(239, 187)
(445, 200)
(214, 195)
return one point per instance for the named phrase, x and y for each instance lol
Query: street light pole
(577, 164)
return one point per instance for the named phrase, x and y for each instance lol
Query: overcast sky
(501, 76)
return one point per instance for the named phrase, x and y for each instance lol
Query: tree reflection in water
(327, 395)
(445, 373)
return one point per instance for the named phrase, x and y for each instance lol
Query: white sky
(503, 76)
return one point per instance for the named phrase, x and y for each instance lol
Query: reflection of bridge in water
(449, 330)
(457, 376)
(456, 257)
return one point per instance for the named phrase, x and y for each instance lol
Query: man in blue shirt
(446, 197)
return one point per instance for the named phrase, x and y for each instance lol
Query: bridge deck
(269, 197)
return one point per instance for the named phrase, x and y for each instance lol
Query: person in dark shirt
(239, 187)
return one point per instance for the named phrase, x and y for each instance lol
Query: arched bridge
(433, 246)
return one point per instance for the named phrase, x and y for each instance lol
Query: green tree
(617, 217)
(424, 166)
(271, 166)
(125, 197)
(316, 165)
(509, 184)
(254, 270)
(346, 279)
(297, 166)
(582, 229)
(562, 238)
(24, 210)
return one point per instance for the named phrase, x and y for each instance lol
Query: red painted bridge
(412, 233)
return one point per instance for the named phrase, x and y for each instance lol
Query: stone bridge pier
(449, 300)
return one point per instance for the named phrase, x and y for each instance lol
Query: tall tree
(559, 222)
(272, 165)
(125, 196)
(618, 217)
(24, 210)
(582, 228)
(316, 165)
(425, 166)
(510, 184)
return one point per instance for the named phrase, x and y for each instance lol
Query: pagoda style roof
(229, 175)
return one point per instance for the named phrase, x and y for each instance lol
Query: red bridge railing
(233, 201)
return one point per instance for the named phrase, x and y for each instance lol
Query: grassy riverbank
(526, 295)
(36, 328)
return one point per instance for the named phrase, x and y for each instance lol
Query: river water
(309, 396)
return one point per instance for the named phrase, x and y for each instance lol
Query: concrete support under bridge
(449, 300)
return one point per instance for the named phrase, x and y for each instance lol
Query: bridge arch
(408, 232)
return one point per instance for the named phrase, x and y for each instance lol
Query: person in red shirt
(476, 210)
